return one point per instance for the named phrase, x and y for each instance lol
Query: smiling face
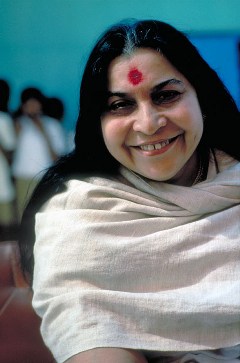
(153, 122)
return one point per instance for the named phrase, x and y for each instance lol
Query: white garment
(32, 154)
(137, 264)
(7, 142)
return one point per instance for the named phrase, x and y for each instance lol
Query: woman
(137, 243)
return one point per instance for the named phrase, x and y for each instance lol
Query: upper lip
(155, 142)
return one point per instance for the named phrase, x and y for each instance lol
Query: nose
(148, 119)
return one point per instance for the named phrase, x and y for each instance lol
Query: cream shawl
(138, 264)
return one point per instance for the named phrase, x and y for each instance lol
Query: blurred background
(46, 43)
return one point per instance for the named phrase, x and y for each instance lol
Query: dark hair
(4, 95)
(32, 93)
(215, 101)
(53, 107)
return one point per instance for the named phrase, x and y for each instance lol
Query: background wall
(45, 43)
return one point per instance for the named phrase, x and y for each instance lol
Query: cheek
(192, 117)
(111, 132)
(197, 122)
(115, 131)
(194, 128)
(114, 138)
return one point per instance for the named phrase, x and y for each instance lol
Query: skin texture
(162, 107)
(108, 355)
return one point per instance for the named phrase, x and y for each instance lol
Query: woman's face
(153, 122)
(32, 107)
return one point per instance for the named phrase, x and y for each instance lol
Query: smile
(157, 146)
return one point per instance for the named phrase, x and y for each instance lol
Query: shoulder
(5, 120)
(7, 131)
(51, 123)
(223, 169)
(94, 193)
(82, 192)
(219, 162)
(224, 160)
(5, 117)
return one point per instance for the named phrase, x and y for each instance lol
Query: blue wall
(45, 43)
(221, 52)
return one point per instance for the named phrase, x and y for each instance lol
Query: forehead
(141, 67)
(33, 101)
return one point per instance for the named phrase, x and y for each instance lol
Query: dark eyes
(121, 105)
(163, 97)
(158, 98)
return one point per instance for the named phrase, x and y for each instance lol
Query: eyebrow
(158, 87)
(166, 83)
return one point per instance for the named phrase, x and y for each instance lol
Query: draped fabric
(140, 264)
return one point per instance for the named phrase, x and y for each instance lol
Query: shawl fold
(139, 264)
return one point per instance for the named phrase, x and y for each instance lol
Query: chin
(157, 177)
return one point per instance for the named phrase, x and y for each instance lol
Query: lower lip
(159, 151)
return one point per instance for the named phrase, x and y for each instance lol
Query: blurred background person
(7, 146)
(41, 140)
(54, 107)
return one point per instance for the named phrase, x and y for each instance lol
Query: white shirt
(7, 142)
(32, 153)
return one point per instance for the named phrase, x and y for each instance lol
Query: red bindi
(135, 76)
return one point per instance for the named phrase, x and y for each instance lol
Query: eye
(164, 97)
(120, 106)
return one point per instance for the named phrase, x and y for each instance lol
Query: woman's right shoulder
(81, 192)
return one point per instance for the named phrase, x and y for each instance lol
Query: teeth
(157, 146)
(148, 147)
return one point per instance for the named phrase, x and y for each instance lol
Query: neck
(191, 173)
